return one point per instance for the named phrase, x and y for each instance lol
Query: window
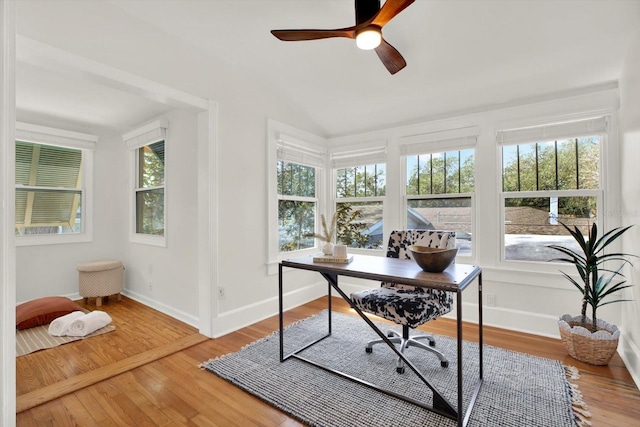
(439, 190)
(360, 192)
(296, 165)
(150, 189)
(52, 184)
(548, 181)
(148, 181)
(297, 204)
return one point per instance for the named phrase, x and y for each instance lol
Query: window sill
(55, 239)
(145, 239)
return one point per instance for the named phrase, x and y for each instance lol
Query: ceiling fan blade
(390, 57)
(298, 35)
(389, 10)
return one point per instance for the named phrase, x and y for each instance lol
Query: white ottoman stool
(100, 278)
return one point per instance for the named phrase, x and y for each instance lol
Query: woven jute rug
(518, 389)
(38, 338)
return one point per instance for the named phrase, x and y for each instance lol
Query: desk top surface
(403, 271)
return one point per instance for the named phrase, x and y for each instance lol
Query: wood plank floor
(172, 391)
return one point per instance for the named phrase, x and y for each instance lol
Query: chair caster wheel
(432, 343)
(400, 370)
(444, 363)
(390, 334)
(368, 350)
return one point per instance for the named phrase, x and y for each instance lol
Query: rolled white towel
(59, 326)
(88, 323)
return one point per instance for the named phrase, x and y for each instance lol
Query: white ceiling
(462, 56)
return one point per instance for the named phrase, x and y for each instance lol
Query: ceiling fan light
(369, 39)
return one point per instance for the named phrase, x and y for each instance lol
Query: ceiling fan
(370, 18)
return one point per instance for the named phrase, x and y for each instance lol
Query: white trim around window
(563, 128)
(285, 142)
(459, 139)
(63, 138)
(146, 135)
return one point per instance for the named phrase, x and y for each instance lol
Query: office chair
(408, 306)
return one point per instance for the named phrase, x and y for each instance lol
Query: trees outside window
(439, 190)
(545, 183)
(360, 192)
(149, 192)
(297, 206)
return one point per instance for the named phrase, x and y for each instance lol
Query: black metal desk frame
(414, 276)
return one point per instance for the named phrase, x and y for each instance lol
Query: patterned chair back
(400, 240)
(398, 247)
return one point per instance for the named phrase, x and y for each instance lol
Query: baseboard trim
(630, 354)
(230, 321)
(163, 308)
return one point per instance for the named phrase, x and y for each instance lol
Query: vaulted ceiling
(462, 56)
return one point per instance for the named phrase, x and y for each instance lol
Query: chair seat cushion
(405, 307)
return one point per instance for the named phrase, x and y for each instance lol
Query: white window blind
(295, 151)
(368, 156)
(574, 129)
(51, 136)
(454, 139)
(145, 135)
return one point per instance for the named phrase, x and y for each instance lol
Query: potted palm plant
(593, 340)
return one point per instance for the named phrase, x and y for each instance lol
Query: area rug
(518, 390)
(38, 338)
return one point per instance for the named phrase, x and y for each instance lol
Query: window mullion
(577, 165)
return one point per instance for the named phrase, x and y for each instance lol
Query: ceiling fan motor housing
(366, 9)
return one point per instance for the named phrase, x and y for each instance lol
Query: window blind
(147, 134)
(368, 156)
(51, 136)
(296, 151)
(453, 139)
(39, 167)
(552, 132)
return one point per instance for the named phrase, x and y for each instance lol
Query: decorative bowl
(433, 260)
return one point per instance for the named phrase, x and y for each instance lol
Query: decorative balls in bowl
(433, 260)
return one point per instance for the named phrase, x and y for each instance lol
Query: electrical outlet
(150, 285)
(222, 292)
(490, 300)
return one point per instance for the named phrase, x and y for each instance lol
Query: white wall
(529, 296)
(245, 102)
(171, 271)
(630, 189)
(7, 221)
(51, 269)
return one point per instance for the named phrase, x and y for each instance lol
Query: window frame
(306, 199)
(85, 143)
(141, 137)
(575, 127)
(375, 156)
(311, 152)
(459, 140)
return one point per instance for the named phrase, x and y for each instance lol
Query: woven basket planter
(595, 348)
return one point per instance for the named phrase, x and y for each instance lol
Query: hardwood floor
(146, 373)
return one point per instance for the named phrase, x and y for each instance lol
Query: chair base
(405, 341)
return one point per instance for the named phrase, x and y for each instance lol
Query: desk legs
(281, 321)
(463, 422)
(440, 403)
